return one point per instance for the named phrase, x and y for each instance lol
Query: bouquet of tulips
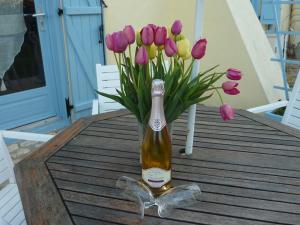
(162, 53)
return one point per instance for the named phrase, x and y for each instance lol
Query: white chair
(291, 115)
(108, 81)
(11, 209)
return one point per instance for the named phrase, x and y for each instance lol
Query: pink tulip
(170, 47)
(129, 33)
(153, 26)
(176, 27)
(120, 42)
(160, 36)
(141, 57)
(229, 87)
(227, 112)
(199, 49)
(109, 42)
(147, 35)
(234, 74)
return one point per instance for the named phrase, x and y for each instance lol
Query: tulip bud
(147, 35)
(188, 55)
(153, 26)
(129, 33)
(183, 47)
(170, 47)
(234, 74)
(199, 49)
(152, 51)
(138, 38)
(176, 27)
(141, 57)
(120, 42)
(229, 87)
(170, 35)
(179, 37)
(227, 112)
(160, 36)
(109, 42)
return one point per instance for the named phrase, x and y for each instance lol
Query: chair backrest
(6, 163)
(108, 80)
(291, 116)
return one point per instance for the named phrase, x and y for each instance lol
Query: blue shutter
(83, 22)
(267, 12)
(256, 6)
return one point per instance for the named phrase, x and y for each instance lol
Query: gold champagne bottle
(156, 147)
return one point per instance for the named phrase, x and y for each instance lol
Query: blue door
(30, 92)
(265, 11)
(82, 24)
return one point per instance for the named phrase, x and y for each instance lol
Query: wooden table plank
(225, 197)
(247, 168)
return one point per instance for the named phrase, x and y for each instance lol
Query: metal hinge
(103, 4)
(60, 11)
(101, 36)
(69, 107)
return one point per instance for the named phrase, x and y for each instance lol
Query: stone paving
(291, 72)
(21, 149)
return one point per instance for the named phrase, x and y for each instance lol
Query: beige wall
(139, 13)
(226, 43)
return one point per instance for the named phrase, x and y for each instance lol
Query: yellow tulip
(170, 35)
(183, 47)
(188, 55)
(180, 37)
(138, 38)
(152, 51)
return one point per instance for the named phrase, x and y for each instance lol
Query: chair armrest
(26, 136)
(95, 108)
(268, 107)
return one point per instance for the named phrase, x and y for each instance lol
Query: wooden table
(248, 170)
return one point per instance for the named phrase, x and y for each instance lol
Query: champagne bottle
(156, 148)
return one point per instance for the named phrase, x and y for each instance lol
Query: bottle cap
(158, 88)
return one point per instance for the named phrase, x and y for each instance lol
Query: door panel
(267, 13)
(30, 95)
(82, 19)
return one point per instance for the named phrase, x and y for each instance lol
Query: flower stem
(118, 63)
(190, 67)
(216, 89)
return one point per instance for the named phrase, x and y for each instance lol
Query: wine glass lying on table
(177, 197)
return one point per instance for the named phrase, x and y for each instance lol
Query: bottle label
(157, 124)
(156, 177)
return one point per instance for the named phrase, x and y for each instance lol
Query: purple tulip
(109, 42)
(170, 47)
(120, 42)
(129, 33)
(229, 87)
(153, 26)
(176, 27)
(160, 36)
(227, 112)
(141, 57)
(147, 35)
(199, 49)
(234, 74)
